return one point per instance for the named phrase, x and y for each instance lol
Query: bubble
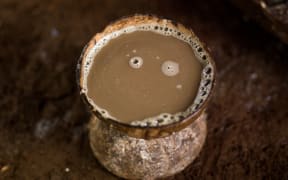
(203, 93)
(136, 62)
(170, 68)
(165, 116)
(160, 120)
(103, 112)
(208, 70)
(207, 82)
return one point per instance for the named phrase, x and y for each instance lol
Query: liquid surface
(143, 74)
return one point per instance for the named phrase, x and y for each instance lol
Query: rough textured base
(134, 158)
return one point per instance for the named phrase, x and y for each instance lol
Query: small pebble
(67, 170)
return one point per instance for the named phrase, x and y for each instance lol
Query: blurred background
(43, 122)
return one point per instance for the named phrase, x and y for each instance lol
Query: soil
(43, 122)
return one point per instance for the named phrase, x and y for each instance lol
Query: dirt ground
(43, 132)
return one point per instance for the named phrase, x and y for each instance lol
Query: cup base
(135, 158)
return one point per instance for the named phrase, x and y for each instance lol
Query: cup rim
(148, 131)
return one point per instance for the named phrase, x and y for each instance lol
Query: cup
(148, 149)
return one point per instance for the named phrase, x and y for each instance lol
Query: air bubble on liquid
(170, 68)
(204, 57)
(165, 115)
(103, 112)
(143, 124)
(195, 107)
(136, 62)
(153, 123)
(208, 70)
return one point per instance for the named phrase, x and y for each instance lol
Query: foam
(170, 68)
(207, 74)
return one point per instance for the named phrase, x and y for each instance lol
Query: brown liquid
(131, 94)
